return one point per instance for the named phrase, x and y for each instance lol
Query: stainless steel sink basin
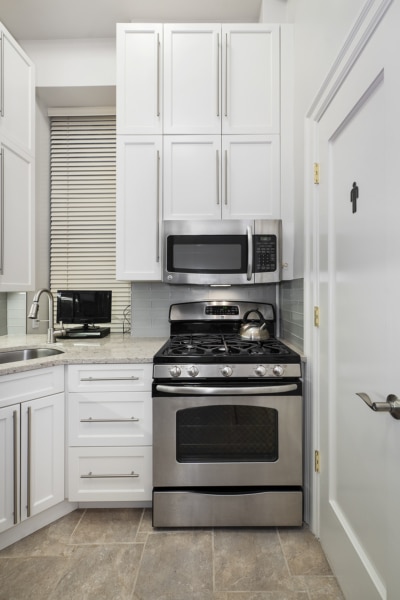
(7, 356)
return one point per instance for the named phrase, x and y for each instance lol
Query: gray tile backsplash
(292, 312)
(151, 302)
(3, 313)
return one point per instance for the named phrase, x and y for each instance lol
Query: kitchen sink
(7, 356)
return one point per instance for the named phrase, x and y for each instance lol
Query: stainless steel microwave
(222, 252)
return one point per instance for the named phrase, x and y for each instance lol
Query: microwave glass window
(207, 254)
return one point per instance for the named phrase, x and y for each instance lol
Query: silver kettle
(254, 329)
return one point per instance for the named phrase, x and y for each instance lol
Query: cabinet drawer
(106, 377)
(110, 474)
(110, 419)
(28, 385)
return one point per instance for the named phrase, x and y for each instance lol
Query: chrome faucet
(33, 313)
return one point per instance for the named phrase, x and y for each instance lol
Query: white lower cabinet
(109, 432)
(31, 447)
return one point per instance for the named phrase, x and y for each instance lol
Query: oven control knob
(193, 371)
(175, 371)
(227, 371)
(278, 370)
(260, 370)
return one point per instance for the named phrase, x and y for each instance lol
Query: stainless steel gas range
(227, 420)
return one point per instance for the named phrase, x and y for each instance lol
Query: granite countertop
(115, 348)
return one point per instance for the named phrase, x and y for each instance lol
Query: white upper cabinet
(17, 152)
(228, 177)
(139, 78)
(192, 79)
(138, 212)
(17, 94)
(221, 79)
(251, 177)
(250, 79)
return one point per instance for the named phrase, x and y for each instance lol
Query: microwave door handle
(249, 254)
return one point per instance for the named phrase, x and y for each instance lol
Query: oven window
(227, 434)
(207, 253)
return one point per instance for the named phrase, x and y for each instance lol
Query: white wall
(320, 27)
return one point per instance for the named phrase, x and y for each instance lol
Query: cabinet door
(251, 177)
(17, 211)
(42, 454)
(138, 217)
(17, 93)
(250, 85)
(192, 86)
(139, 78)
(9, 466)
(192, 177)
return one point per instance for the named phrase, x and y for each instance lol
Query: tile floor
(106, 554)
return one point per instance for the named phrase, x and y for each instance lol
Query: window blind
(83, 184)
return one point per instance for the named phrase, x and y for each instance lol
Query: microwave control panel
(265, 253)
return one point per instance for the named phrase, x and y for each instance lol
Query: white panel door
(359, 273)
(250, 177)
(250, 78)
(139, 78)
(138, 198)
(42, 454)
(192, 177)
(9, 466)
(192, 81)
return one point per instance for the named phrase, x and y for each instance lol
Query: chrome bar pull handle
(218, 75)
(218, 169)
(158, 209)
(249, 254)
(91, 475)
(158, 75)
(226, 177)
(226, 75)
(392, 404)
(15, 465)
(29, 463)
(131, 378)
(91, 420)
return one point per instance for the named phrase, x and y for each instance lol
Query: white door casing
(357, 270)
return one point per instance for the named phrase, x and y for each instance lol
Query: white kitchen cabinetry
(233, 177)
(139, 78)
(17, 93)
(17, 203)
(110, 432)
(32, 444)
(192, 79)
(138, 207)
(221, 79)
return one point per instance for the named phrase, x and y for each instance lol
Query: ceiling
(61, 19)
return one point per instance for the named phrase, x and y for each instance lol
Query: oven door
(227, 436)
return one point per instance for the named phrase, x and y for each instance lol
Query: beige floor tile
(250, 560)
(176, 566)
(30, 578)
(100, 572)
(303, 552)
(105, 526)
(323, 588)
(48, 541)
(285, 595)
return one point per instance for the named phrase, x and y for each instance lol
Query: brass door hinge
(317, 464)
(316, 173)
(316, 316)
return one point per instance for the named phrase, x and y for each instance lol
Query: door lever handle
(392, 404)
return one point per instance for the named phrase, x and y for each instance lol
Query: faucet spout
(33, 313)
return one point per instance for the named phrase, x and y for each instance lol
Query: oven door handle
(189, 390)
